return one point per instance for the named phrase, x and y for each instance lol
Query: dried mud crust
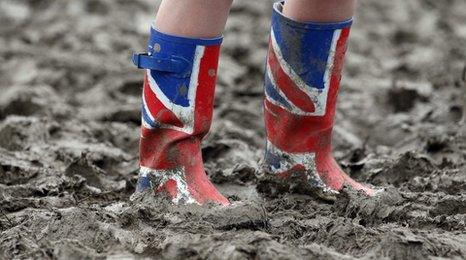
(69, 118)
(296, 182)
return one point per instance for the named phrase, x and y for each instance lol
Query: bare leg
(319, 10)
(193, 18)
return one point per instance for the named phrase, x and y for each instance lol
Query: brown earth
(69, 111)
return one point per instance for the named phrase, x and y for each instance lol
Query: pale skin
(207, 18)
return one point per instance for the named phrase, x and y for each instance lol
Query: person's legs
(319, 10)
(307, 48)
(181, 68)
(193, 18)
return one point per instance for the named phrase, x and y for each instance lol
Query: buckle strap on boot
(172, 64)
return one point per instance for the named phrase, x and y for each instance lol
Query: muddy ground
(69, 117)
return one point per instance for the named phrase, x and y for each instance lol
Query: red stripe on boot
(158, 111)
(310, 133)
(206, 90)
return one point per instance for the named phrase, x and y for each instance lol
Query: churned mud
(69, 117)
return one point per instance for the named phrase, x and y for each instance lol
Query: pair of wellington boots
(302, 80)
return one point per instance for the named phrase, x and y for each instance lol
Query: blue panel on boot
(166, 54)
(305, 46)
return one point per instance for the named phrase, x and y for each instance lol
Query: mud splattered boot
(301, 86)
(177, 110)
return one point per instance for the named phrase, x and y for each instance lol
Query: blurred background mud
(69, 129)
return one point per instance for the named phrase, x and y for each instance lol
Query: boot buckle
(172, 64)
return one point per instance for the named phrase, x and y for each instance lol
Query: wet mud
(69, 128)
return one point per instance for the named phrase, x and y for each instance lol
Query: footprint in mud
(402, 97)
(18, 133)
(30, 100)
(403, 169)
(16, 172)
(131, 87)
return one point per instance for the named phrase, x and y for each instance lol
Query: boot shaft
(177, 108)
(178, 97)
(180, 83)
(302, 81)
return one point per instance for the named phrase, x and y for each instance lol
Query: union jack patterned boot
(301, 86)
(177, 108)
